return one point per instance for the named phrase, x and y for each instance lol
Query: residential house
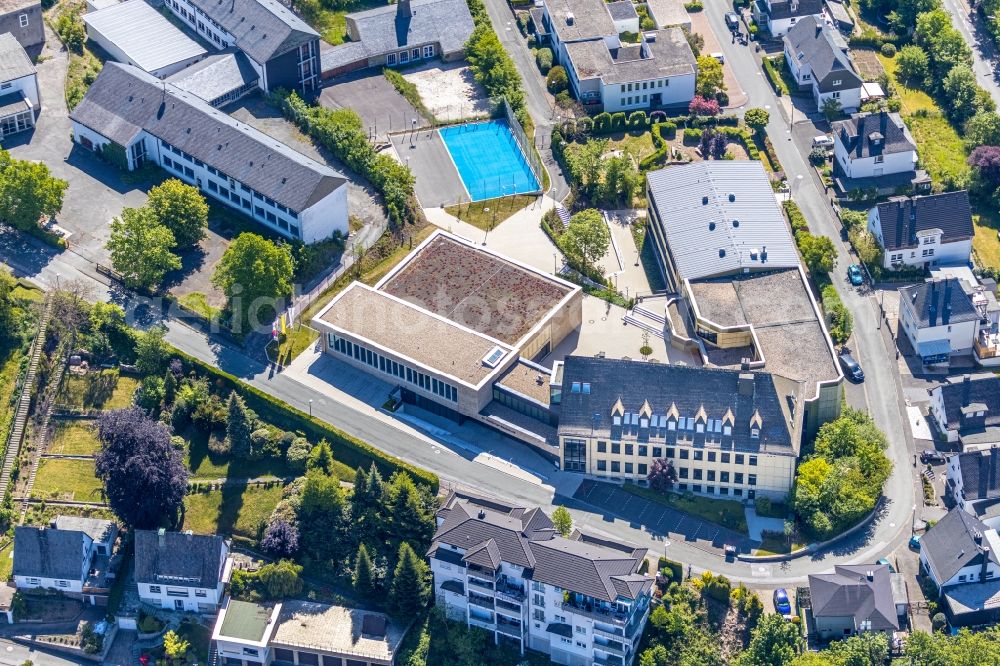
(398, 34)
(503, 568)
(725, 249)
(23, 19)
(131, 117)
(875, 151)
(282, 49)
(818, 59)
(725, 432)
(72, 556)
(959, 554)
(778, 16)
(304, 632)
(658, 71)
(924, 230)
(855, 599)
(939, 320)
(966, 410)
(19, 100)
(181, 571)
(974, 482)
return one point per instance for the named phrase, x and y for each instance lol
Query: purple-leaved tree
(661, 475)
(144, 476)
(281, 538)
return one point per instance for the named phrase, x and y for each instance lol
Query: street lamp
(310, 407)
(555, 266)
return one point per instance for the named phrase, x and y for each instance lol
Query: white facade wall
(674, 91)
(930, 250)
(63, 585)
(27, 85)
(181, 597)
(322, 219)
(938, 414)
(228, 649)
(964, 575)
(960, 335)
(850, 98)
(869, 167)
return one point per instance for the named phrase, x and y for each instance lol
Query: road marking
(761, 570)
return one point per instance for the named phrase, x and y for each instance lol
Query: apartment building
(504, 568)
(924, 231)
(181, 571)
(657, 71)
(727, 433)
(70, 556)
(282, 48)
(130, 117)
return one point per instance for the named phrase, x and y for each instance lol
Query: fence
(527, 147)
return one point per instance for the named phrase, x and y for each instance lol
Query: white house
(872, 145)
(939, 320)
(130, 117)
(70, 556)
(974, 479)
(818, 59)
(181, 571)
(19, 100)
(504, 569)
(966, 410)
(924, 230)
(658, 71)
(778, 16)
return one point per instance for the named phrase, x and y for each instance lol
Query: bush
(692, 136)
(674, 571)
(638, 120)
(618, 121)
(556, 80)
(888, 50)
(774, 76)
(795, 217)
(543, 58)
(694, 6)
(602, 122)
(817, 157)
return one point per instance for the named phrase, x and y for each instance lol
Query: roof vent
(711, 226)
(732, 196)
(736, 224)
(722, 252)
(570, 19)
(704, 200)
(482, 514)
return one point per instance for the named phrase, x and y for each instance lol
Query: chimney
(946, 316)
(189, 534)
(746, 384)
(870, 575)
(966, 388)
(819, 29)
(932, 310)
(482, 514)
(161, 537)
(403, 8)
(986, 562)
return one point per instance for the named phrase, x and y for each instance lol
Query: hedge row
(872, 39)
(774, 77)
(347, 449)
(675, 570)
(660, 143)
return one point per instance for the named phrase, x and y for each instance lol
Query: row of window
(523, 406)
(388, 366)
(177, 592)
(310, 659)
(409, 55)
(683, 472)
(711, 490)
(643, 450)
(646, 85)
(197, 14)
(38, 581)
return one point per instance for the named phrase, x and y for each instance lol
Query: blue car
(887, 563)
(915, 542)
(855, 275)
(781, 603)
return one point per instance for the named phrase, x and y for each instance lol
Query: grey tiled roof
(262, 29)
(903, 217)
(939, 302)
(177, 558)
(857, 134)
(688, 389)
(125, 100)
(849, 592)
(666, 53)
(983, 389)
(216, 75)
(813, 43)
(97, 529)
(622, 10)
(14, 62)
(951, 544)
(980, 474)
(42, 552)
(384, 29)
(708, 234)
(491, 531)
(782, 9)
(342, 54)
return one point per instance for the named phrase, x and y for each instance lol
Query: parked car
(887, 563)
(851, 367)
(730, 552)
(931, 456)
(781, 603)
(719, 56)
(823, 141)
(915, 542)
(855, 275)
(732, 21)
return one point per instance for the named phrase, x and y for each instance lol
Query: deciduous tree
(174, 647)
(710, 79)
(775, 642)
(757, 119)
(182, 209)
(912, 64)
(587, 236)
(28, 192)
(281, 580)
(818, 252)
(256, 275)
(281, 538)
(562, 521)
(141, 248)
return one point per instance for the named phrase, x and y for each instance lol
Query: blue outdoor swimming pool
(488, 160)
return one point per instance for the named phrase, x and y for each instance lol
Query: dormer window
(837, 82)
(754, 433)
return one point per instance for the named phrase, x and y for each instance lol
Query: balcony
(596, 612)
(482, 623)
(608, 661)
(481, 584)
(618, 635)
(507, 606)
(505, 626)
(616, 649)
(480, 600)
(987, 346)
(512, 593)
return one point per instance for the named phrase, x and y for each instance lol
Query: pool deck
(438, 182)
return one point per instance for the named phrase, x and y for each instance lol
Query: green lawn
(199, 303)
(941, 149)
(294, 342)
(913, 99)
(776, 546)
(330, 23)
(234, 510)
(72, 437)
(728, 513)
(207, 465)
(638, 144)
(22, 292)
(490, 213)
(6, 561)
(67, 480)
(986, 244)
(10, 368)
(99, 390)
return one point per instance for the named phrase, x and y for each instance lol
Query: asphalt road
(984, 52)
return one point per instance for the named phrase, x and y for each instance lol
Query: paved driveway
(658, 519)
(381, 107)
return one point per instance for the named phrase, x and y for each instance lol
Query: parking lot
(382, 109)
(658, 519)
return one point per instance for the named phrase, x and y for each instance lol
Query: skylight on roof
(493, 359)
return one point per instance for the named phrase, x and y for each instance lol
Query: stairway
(563, 215)
(24, 404)
(658, 332)
(660, 319)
